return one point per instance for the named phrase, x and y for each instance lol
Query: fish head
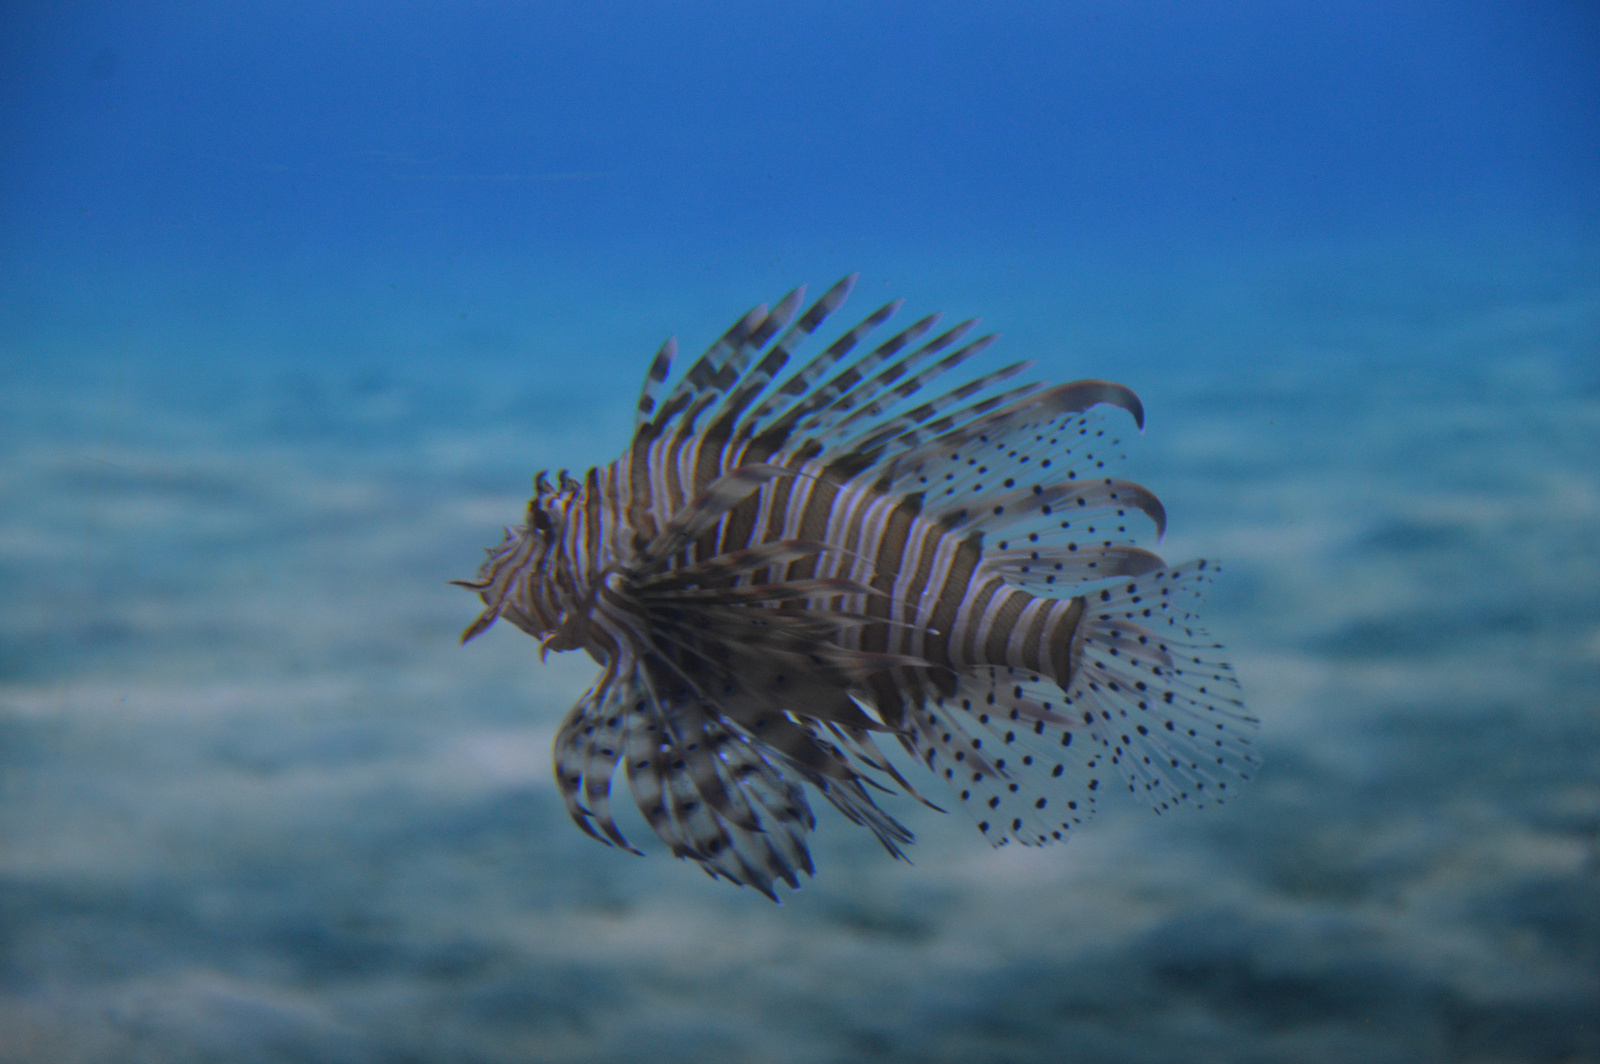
(528, 578)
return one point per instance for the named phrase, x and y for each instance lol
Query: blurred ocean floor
(256, 804)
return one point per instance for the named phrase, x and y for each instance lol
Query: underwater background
(295, 298)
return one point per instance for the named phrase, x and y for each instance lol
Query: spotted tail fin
(1154, 693)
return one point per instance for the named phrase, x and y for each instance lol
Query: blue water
(294, 301)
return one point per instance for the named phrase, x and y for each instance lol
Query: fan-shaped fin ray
(794, 390)
(654, 378)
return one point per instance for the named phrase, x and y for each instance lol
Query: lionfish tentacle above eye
(786, 563)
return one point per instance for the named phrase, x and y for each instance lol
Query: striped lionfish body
(792, 564)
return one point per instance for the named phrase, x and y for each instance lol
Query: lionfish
(782, 571)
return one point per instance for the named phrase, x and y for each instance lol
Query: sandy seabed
(258, 805)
